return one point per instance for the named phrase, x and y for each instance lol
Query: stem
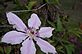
(22, 10)
(30, 10)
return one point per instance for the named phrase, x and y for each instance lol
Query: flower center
(31, 33)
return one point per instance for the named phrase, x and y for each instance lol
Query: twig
(41, 6)
(30, 10)
(21, 11)
(2, 26)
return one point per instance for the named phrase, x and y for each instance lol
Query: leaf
(8, 50)
(50, 41)
(75, 31)
(52, 1)
(31, 4)
(1, 50)
(59, 25)
(51, 23)
(67, 4)
(59, 48)
(69, 49)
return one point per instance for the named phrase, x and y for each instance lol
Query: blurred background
(64, 15)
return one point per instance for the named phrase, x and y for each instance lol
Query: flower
(27, 35)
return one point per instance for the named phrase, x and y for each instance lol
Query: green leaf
(8, 50)
(67, 4)
(51, 23)
(59, 25)
(59, 48)
(69, 49)
(75, 31)
(31, 4)
(1, 50)
(52, 1)
(50, 41)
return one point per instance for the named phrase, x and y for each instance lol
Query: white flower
(28, 34)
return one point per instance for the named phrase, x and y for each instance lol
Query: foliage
(67, 34)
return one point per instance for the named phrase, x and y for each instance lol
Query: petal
(34, 21)
(45, 32)
(13, 37)
(45, 46)
(28, 47)
(16, 21)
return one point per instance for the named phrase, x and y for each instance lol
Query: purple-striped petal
(28, 47)
(45, 46)
(13, 37)
(16, 21)
(34, 21)
(45, 32)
